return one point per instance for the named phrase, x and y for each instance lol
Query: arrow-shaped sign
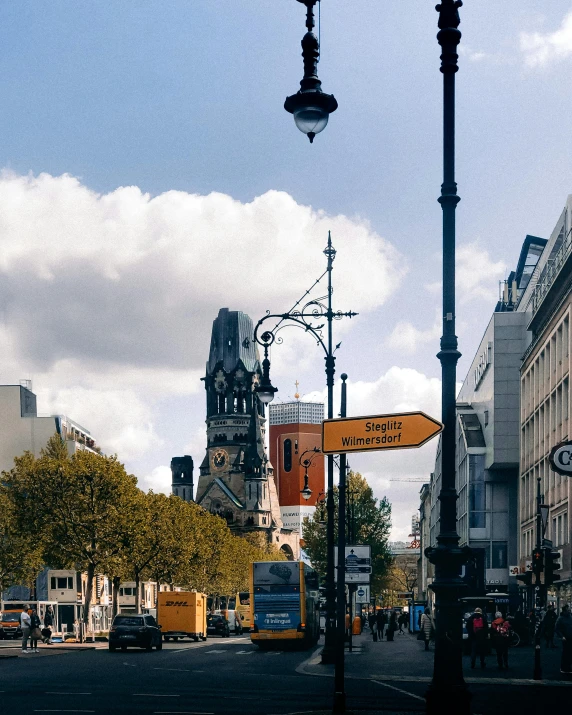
(364, 434)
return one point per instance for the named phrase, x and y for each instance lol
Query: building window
(61, 582)
(477, 491)
(499, 555)
(287, 455)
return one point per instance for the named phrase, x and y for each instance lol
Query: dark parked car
(137, 631)
(218, 626)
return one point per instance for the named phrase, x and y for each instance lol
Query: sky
(150, 176)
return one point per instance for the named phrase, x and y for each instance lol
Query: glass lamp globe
(311, 120)
(265, 395)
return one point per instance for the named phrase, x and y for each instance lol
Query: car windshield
(127, 621)
(11, 617)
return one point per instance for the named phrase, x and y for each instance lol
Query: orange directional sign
(364, 434)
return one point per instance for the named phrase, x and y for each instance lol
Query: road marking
(154, 695)
(238, 652)
(215, 651)
(178, 670)
(51, 692)
(400, 690)
(130, 665)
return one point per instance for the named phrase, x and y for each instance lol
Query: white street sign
(362, 594)
(357, 563)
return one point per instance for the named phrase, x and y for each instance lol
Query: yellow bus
(284, 604)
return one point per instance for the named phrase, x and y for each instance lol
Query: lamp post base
(339, 703)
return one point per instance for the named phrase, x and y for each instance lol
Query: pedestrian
(25, 626)
(392, 625)
(548, 625)
(501, 629)
(564, 630)
(402, 620)
(48, 624)
(35, 631)
(373, 625)
(381, 620)
(426, 627)
(478, 632)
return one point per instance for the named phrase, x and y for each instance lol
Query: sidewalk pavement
(404, 659)
(13, 649)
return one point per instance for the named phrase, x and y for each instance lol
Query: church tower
(236, 479)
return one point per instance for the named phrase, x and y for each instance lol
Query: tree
(371, 525)
(401, 577)
(76, 506)
(20, 556)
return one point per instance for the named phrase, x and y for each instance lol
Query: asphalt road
(219, 677)
(230, 675)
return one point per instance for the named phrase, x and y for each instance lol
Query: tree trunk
(137, 593)
(115, 596)
(88, 593)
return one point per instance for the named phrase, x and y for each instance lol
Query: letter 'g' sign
(561, 458)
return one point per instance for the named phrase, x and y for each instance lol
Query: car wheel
(112, 648)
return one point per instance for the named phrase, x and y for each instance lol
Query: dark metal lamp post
(310, 106)
(306, 317)
(448, 693)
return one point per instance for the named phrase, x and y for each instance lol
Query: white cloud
(477, 275)
(540, 49)
(159, 480)
(107, 301)
(406, 338)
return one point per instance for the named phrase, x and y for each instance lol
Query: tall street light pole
(448, 692)
(339, 673)
(305, 318)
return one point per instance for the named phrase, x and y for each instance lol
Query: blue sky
(187, 96)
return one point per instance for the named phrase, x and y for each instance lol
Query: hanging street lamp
(310, 106)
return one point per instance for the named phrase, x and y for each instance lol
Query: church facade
(236, 479)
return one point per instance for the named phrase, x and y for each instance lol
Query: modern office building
(546, 304)
(295, 435)
(21, 429)
(488, 435)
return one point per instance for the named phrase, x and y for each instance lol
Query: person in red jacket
(478, 632)
(501, 637)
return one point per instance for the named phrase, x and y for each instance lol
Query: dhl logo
(176, 603)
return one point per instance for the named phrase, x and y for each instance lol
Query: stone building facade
(236, 479)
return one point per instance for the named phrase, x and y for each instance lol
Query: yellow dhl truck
(182, 614)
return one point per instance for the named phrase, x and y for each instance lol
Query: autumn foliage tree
(369, 522)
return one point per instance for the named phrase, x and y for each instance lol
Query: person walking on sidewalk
(25, 626)
(478, 632)
(35, 631)
(501, 636)
(373, 625)
(392, 625)
(548, 625)
(564, 630)
(381, 620)
(48, 623)
(402, 620)
(426, 627)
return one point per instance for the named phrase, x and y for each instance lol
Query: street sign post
(378, 432)
(357, 564)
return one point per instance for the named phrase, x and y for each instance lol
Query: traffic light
(552, 559)
(526, 578)
(537, 562)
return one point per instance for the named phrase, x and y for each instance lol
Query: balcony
(554, 275)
